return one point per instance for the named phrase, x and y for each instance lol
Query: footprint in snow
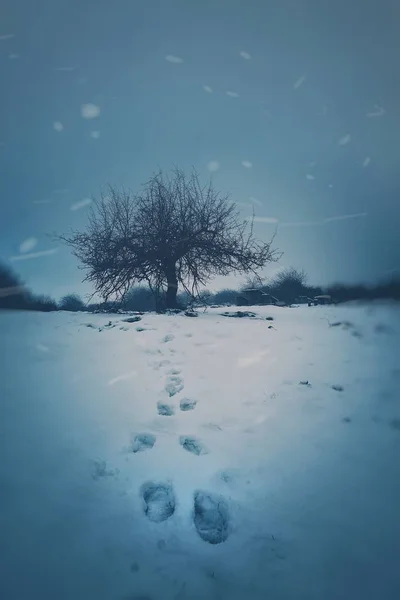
(159, 500)
(142, 442)
(165, 410)
(193, 445)
(101, 470)
(337, 388)
(161, 363)
(212, 426)
(174, 385)
(153, 351)
(187, 404)
(174, 371)
(228, 475)
(211, 517)
(168, 338)
(161, 545)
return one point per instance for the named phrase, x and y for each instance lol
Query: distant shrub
(288, 285)
(226, 296)
(41, 303)
(71, 302)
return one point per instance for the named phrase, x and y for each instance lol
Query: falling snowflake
(34, 254)
(299, 82)
(58, 126)
(247, 164)
(213, 166)
(232, 94)
(255, 201)
(13, 56)
(245, 55)
(42, 348)
(6, 36)
(345, 217)
(378, 112)
(41, 201)
(122, 377)
(310, 177)
(28, 245)
(95, 135)
(366, 161)
(207, 89)
(90, 111)
(81, 204)
(345, 140)
(263, 219)
(300, 223)
(174, 59)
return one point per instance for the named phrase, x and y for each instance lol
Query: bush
(41, 303)
(288, 285)
(140, 299)
(226, 296)
(72, 303)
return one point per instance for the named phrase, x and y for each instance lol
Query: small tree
(253, 282)
(288, 284)
(71, 302)
(175, 232)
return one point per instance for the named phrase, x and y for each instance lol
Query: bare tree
(175, 232)
(292, 275)
(253, 282)
(289, 283)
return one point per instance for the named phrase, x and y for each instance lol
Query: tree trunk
(172, 289)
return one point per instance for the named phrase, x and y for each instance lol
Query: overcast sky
(292, 106)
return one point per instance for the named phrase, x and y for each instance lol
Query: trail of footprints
(210, 511)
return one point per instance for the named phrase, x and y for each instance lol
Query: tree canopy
(174, 232)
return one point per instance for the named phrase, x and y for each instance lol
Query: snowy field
(201, 458)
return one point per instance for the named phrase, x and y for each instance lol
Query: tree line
(159, 248)
(288, 285)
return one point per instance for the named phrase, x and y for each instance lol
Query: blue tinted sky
(313, 112)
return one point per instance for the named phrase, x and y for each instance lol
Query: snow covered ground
(193, 458)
